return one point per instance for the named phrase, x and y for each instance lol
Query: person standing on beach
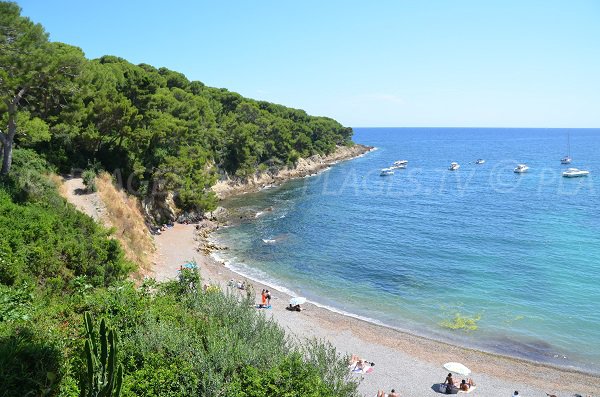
(268, 296)
(263, 298)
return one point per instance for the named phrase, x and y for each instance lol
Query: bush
(89, 180)
(30, 363)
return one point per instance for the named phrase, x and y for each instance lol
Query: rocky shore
(228, 186)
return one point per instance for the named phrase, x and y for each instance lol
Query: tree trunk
(8, 140)
(7, 157)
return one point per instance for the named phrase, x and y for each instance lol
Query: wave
(255, 275)
(317, 172)
(269, 241)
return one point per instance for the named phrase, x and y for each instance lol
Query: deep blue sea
(481, 257)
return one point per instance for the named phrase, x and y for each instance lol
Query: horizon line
(506, 128)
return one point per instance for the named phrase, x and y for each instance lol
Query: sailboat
(567, 159)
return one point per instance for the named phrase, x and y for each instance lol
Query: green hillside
(160, 130)
(61, 111)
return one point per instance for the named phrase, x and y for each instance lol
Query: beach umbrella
(299, 300)
(457, 368)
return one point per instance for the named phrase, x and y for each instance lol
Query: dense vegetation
(60, 111)
(174, 338)
(160, 130)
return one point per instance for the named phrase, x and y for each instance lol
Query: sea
(480, 257)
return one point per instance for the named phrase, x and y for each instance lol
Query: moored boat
(479, 161)
(521, 168)
(574, 173)
(386, 172)
(567, 159)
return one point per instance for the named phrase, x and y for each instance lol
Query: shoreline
(377, 323)
(310, 166)
(407, 355)
(399, 355)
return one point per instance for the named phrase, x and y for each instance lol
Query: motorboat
(479, 161)
(454, 166)
(399, 164)
(574, 173)
(386, 172)
(521, 168)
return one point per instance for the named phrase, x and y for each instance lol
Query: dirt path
(88, 203)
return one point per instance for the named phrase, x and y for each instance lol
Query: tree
(29, 65)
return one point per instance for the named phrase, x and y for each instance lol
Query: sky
(396, 63)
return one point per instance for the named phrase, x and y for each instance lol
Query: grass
(125, 215)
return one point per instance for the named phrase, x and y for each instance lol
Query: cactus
(101, 379)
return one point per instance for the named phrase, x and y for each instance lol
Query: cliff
(228, 187)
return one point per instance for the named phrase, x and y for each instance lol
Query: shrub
(89, 180)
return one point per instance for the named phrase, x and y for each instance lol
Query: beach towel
(263, 306)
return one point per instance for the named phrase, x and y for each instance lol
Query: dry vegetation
(59, 183)
(125, 215)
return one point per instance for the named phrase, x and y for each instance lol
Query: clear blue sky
(508, 63)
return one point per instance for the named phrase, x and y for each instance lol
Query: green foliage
(161, 132)
(45, 239)
(89, 180)
(104, 377)
(29, 362)
(15, 303)
(153, 125)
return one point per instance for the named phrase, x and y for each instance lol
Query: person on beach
(449, 382)
(268, 295)
(464, 386)
(263, 299)
(516, 393)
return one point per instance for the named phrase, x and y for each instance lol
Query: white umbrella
(299, 300)
(457, 368)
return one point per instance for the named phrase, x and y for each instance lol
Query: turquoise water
(519, 254)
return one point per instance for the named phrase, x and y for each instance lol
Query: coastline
(409, 363)
(229, 187)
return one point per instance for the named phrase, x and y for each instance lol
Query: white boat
(399, 164)
(567, 159)
(521, 168)
(479, 161)
(454, 166)
(574, 172)
(386, 172)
